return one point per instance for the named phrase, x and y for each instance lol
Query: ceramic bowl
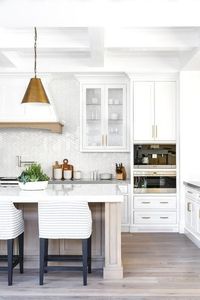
(33, 186)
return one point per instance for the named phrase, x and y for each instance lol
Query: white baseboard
(153, 228)
(192, 237)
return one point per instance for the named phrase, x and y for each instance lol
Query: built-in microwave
(155, 181)
(154, 156)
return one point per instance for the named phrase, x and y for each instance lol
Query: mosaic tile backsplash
(45, 147)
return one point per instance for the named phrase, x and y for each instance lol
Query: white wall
(45, 147)
(189, 130)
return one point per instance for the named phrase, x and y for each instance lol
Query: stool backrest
(67, 219)
(11, 221)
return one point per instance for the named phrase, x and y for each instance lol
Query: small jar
(67, 174)
(77, 175)
(57, 171)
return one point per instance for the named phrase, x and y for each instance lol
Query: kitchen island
(105, 203)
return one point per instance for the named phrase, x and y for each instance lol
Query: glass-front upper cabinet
(104, 118)
(92, 126)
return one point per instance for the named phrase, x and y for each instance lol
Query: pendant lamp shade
(35, 92)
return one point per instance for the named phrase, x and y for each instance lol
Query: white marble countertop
(193, 184)
(89, 192)
(89, 181)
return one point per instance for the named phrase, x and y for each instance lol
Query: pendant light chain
(35, 53)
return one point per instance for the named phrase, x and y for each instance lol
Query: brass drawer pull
(146, 202)
(164, 217)
(189, 192)
(146, 217)
(164, 202)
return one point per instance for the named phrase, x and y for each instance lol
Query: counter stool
(11, 227)
(65, 219)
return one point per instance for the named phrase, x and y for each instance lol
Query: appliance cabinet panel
(155, 218)
(143, 111)
(165, 111)
(155, 111)
(125, 213)
(155, 203)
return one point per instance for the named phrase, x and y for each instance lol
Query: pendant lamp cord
(35, 52)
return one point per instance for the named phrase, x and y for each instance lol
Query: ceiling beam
(96, 41)
(5, 62)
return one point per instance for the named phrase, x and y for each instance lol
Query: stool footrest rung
(63, 268)
(16, 260)
(63, 258)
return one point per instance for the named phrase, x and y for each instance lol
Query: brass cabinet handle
(189, 207)
(106, 140)
(164, 217)
(146, 202)
(146, 217)
(156, 131)
(164, 202)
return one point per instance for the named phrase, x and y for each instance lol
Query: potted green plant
(33, 178)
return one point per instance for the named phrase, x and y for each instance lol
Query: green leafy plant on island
(32, 174)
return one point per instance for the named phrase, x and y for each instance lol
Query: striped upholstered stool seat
(11, 227)
(65, 219)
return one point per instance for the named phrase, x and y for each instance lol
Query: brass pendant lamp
(35, 92)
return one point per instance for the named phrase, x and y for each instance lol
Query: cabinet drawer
(155, 202)
(155, 218)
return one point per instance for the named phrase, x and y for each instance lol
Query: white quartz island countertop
(88, 192)
(108, 194)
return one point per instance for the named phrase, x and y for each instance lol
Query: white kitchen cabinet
(125, 207)
(165, 111)
(143, 111)
(192, 211)
(104, 118)
(154, 212)
(155, 111)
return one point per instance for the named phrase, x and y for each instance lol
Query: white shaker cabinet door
(143, 111)
(165, 111)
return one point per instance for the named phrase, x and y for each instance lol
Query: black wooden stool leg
(46, 255)
(85, 260)
(89, 241)
(21, 252)
(42, 255)
(10, 260)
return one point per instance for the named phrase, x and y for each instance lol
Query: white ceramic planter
(33, 186)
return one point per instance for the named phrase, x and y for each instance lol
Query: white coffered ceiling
(126, 49)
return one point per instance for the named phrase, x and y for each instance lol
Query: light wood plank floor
(156, 266)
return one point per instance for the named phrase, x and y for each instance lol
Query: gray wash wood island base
(105, 202)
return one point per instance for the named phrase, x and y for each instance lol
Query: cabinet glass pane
(115, 117)
(93, 117)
